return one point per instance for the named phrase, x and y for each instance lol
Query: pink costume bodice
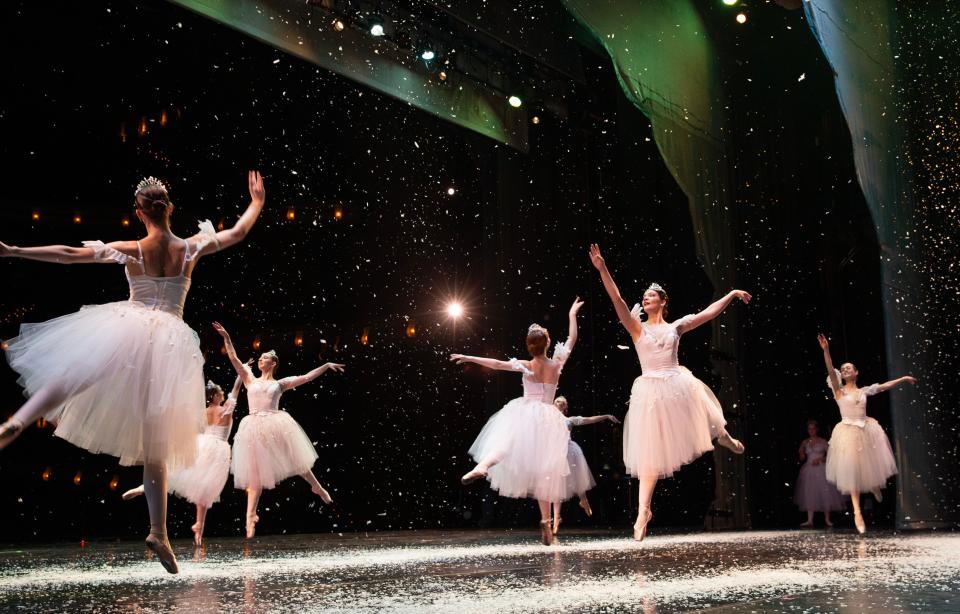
(658, 347)
(541, 391)
(853, 405)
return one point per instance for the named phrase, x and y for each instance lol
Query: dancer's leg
(198, 527)
(826, 519)
(155, 490)
(857, 516)
(316, 487)
(724, 439)
(555, 512)
(546, 533)
(253, 498)
(585, 504)
(480, 470)
(133, 492)
(43, 401)
(809, 522)
(644, 515)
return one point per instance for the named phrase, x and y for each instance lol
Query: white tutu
(133, 378)
(580, 480)
(859, 459)
(203, 482)
(671, 422)
(528, 440)
(268, 448)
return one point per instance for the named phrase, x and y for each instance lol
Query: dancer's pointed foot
(806, 525)
(730, 443)
(133, 492)
(321, 492)
(9, 431)
(197, 529)
(556, 523)
(877, 494)
(252, 525)
(546, 534)
(160, 545)
(859, 523)
(474, 475)
(643, 520)
(828, 522)
(586, 506)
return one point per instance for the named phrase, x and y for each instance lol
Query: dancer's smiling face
(654, 302)
(848, 372)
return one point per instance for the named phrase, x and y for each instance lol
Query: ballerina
(202, 482)
(859, 458)
(580, 479)
(270, 446)
(813, 493)
(673, 416)
(126, 378)
(522, 449)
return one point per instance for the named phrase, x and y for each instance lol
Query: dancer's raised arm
(299, 380)
(572, 334)
(490, 363)
(715, 309)
(243, 371)
(623, 312)
(835, 384)
(231, 236)
(906, 379)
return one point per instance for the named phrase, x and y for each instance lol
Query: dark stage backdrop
(110, 94)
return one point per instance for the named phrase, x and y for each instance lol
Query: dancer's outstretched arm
(715, 309)
(585, 420)
(828, 360)
(906, 379)
(65, 254)
(299, 380)
(243, 371)
(490, 363)
(623, 312)
(572, 335)
(231, 236)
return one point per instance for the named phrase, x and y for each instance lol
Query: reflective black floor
(490, 572)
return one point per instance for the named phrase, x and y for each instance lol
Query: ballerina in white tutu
(126, 378)
(522, 450)
(859, 458)
(673, 416)
(579, 480)
(202, 482)
(814, 493)
(270, 446)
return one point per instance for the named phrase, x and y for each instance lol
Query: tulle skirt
(202, 482)
(269, 448)
(528, 440)
(859, 459)
(814, 493)
(671, 422)
(133, 379)
(579, 480)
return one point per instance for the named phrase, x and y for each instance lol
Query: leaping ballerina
(126, 378)
(673, 416)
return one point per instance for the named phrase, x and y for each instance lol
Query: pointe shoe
(546, 535)
(877, 494)
(730, 443)
(556, 524)
(859, 523)
(159, 545)
(473, 475)
(586, 507)
(9, 431)
(640, 527)
(133, 492)
(806, 525)
(252, 525)
(197, 534)
(321, 492)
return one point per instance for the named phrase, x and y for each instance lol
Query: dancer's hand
(613, 419)
(255, 184)
(5, 250)
(223, 332)
(595, 258)
(743, 295)
(459, 358)
(333, 366)
(910, 379)
(577, 304)
(824, 343)
(251, 360)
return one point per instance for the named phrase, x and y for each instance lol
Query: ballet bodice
(222, 431)
(541, 391)
(658, 346)
(263, 396)
(815, 450)
(853, 405)
(218, 431)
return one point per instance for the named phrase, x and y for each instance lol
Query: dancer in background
(859, 458)
(270, 446)
(580, 480)
(203, 481)
(673, 416)
(126, 378)
(522, 450)
(814, 493)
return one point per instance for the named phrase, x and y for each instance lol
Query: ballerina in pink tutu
(814, 493)
(673, 416)
(522, 450)
(270, 446)
(859, 458)
(126, 378)
(203, 481)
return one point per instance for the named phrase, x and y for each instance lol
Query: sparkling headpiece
(656, 288)
(537, 327)
(149, 182)
(272, 354)
(211, 384)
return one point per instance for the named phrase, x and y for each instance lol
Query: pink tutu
(203, 482)
(814, 493)
(269, 448)
(859, 459)
(672, 420)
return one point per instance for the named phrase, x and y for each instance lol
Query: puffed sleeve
(561, 352)
(871, 390)
(516, 365)
(104, 253)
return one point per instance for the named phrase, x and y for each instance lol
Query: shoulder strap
(186, 256)
(143, 263)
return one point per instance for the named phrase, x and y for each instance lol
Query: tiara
(210, 384)
(536, 327)
(149, 182)
(272, 354)
(656, 288)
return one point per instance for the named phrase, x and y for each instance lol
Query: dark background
(81, 121)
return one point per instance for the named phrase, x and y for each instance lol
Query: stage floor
(496, 571)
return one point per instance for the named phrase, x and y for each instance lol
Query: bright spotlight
(515, 102)
(741, 18)
(454, 310)
(730, 2)
(451, 191)
(376, 29)
(428, 55)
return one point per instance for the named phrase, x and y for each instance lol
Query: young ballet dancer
(126, 378)
(270, 446)
(522, 449)
(814, 493)
(203, 481)
(580, 480)
(673, 416)
(859, 458)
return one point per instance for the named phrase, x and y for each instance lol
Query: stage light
(442, 75)
(515, 102)
(298, 340)
(535, 119)
(114, 482)
(125, 222)
(454, 310)
(77, 219)
(77, 478)
(35, 216)
(365, 336)
(256, 344)
(741, 18)
(4, 346)
(163, 118)
(730, 2)
(338, 25)
(451, 191)
(45, 476)
(411, 330)
(338, 214)
(291, 214)
(428, 55)
(41, 422)
(142, 126)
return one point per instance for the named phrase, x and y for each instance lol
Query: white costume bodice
(853, 405)
(219, 431)
(815, 450)
(541, 391)
(263, 396)
(658, 346)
